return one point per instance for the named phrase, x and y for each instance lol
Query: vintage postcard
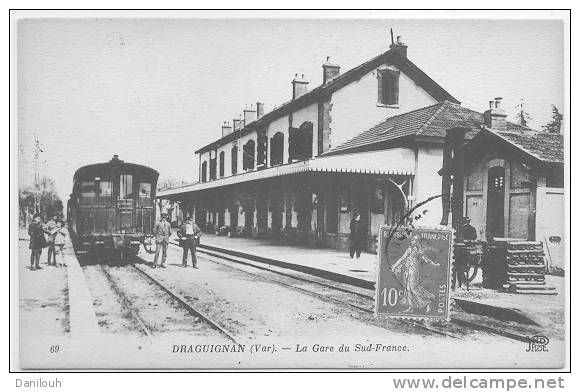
(259, 190)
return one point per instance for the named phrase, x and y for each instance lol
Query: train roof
(115, 161)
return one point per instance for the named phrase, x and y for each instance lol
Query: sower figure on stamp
(50, 230)
(189, 234)
(162, 232)
(37, 241)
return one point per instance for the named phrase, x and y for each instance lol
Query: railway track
(482, 324)
(126, 303)
(187, 305)
(182, 303)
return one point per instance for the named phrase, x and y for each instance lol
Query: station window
(105, 188)
(145, 190)
(212, 169)
(204, 171)
(300, 142)
(388, 87)
(277, 149)
(234, 159)
(249, 152)
(222, 163)
(126, 188)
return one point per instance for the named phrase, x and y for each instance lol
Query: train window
(145, 190)
(126, 189)
(106, 188)
(87, 188)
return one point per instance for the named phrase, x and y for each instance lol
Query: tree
(42, 198)
(522, 117)
(170, 182)
(555, 125)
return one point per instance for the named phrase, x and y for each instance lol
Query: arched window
(212, 169)
(249, 155)
(234, 159)
(300, 142)
(277, 149)
(204, 171)
(222, 163)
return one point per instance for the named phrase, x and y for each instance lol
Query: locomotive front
(111, 209)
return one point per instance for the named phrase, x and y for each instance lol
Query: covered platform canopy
(398, 161)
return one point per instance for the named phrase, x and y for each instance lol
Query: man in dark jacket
(356, 236)
(466, 231)
(189, 234)
(37, 241)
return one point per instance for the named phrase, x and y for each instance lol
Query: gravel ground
(43, 296)
(257, 308)
(337, 296)
(160, 313)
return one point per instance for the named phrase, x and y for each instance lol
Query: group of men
(188, 233)
(50, 235)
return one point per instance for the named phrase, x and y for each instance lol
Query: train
(111, 210)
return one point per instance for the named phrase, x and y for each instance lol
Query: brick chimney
(329, 71)
(249, 115)
(299, 86)
(226, 129)
(259, 109)
(237, 124)
(399, 46)
(495, 117)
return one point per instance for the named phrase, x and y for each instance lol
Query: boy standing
(59, 241)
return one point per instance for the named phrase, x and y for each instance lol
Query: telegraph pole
(37, 150)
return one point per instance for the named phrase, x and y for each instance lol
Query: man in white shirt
(189, 234)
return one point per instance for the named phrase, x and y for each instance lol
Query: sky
(155, 90)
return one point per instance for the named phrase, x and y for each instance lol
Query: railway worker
(466, 231)
(189, 234)
(59, 241)
(50, 229)
(162, 232)
(356, 236)
(37, 241)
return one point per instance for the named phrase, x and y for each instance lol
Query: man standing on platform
(50, 229)
(162, 232)
(356, 236)
(189, 234)
(37, 241)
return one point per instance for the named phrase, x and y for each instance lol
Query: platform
(338, 266)
(66, 288)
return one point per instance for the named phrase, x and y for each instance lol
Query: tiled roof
(546, 147)
(392, 128)
(391, 56)
(431, 121)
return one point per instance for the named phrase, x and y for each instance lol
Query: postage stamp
(413, 272)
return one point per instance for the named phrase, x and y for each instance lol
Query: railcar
(111, 210)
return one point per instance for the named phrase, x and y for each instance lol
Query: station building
(369, 140)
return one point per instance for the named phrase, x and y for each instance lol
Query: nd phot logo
(538, 343)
